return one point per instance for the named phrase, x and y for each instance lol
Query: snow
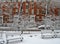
(32, 28)
(44, 26)
(1, 40)
(36, 39)
(14, 37)
(5, 28)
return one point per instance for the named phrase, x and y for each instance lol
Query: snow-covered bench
(57, 33)
(47, 34)
(1, 41)
(13, 36)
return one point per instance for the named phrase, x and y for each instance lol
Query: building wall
(11, 8)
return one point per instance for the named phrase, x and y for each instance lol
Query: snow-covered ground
(36, 39)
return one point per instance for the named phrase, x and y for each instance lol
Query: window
(32, 11)
(13, 0)
(37, 0)
(59, 12)
(3, 0)
(32, 0)
(1, 20)
(37, 11)
(19, 0)
(26, 10)
(8, 0)
(0, 12)
(27, 7)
